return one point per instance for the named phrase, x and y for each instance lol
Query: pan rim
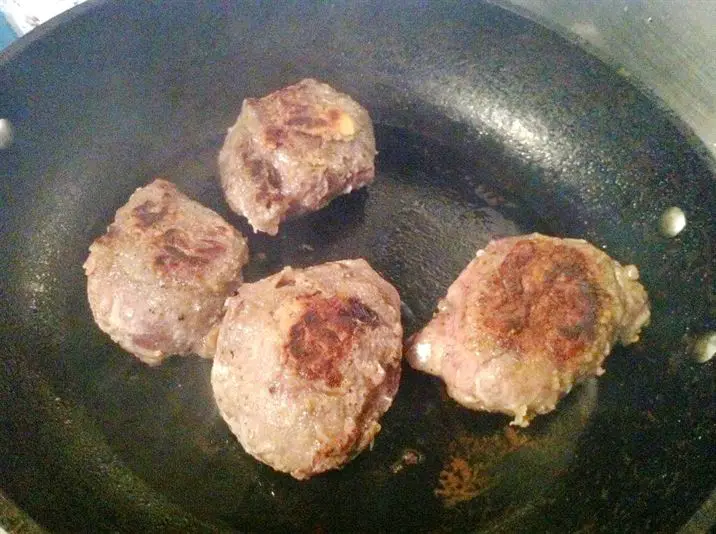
(22, 43)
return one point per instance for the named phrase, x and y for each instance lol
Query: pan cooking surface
(486, 126)
(421, 222)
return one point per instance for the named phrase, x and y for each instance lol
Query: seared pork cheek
(307, 362)
(158, 279)
(528, 318)
(294, 151)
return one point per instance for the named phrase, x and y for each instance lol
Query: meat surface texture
(294, 151)
(307, 362)
(527, 319)
(158, 279)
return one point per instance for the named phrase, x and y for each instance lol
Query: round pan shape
(487, 125)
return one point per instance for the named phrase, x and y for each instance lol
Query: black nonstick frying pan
(487, 125)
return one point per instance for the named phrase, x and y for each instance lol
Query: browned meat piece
(527, 319)
(307, 361)
(158, 278)
(294, 151)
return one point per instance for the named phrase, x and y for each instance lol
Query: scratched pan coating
(487, 125)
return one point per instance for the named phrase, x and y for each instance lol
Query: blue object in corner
(7, 34)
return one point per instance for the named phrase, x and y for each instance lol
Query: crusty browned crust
(324, 334)
(543, 298)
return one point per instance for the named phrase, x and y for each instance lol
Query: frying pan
(487, 125)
